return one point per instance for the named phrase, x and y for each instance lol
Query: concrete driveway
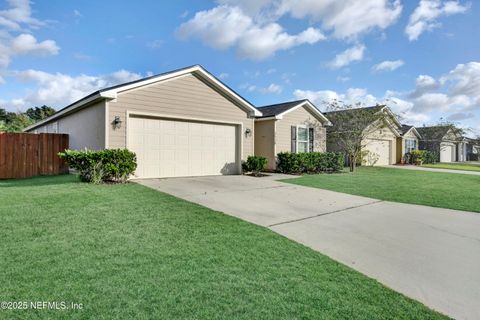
(429, 254)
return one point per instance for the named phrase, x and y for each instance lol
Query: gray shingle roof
(276, 109)
(344, 120)
(433, 133)
(405, 128)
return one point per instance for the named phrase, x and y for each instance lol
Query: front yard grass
(436, 189)
(129, 252)
(468, 166)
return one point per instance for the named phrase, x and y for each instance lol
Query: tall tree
(351, 127)
(39, 113)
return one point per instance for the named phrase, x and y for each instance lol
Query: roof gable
(277, 111)
(406, 129)
(344, 120)
(436, 133)
(111, 92)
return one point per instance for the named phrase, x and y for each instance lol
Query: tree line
(17, 121)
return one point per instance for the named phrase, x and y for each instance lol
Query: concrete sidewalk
(429, 254)
(411, 167)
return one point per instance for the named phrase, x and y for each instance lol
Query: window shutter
(310, 139)
(294, 139)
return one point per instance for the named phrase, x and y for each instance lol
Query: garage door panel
(381, 148)
(168, 148)
(447, 153)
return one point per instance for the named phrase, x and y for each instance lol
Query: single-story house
(380, 136)
(473, 149)
(408, 141)
(447, 144)
(180, 123)
(295, 126)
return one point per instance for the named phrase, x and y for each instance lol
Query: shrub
(110, 165)
(310, 162)
(254, 164)
(423, 156)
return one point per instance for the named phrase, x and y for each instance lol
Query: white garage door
(168, 148)
(380, 148)
(446, 153)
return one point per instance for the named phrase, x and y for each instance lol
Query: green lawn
(469, 166)
(126, 251)
(445, 190)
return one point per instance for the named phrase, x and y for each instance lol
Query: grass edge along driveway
(455, 166)
(127, 251)
(436, 189)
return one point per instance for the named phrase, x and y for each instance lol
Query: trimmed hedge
(254, 164)
(110, 165)
(310, 162)
(423, 156)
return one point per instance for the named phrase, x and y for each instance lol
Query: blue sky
(422, 58)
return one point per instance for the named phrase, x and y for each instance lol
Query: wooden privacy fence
(24, 155)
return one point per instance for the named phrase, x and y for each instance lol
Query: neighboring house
(444, 142)
(181, 123)
(408, 141)
(380, 138)
(473, 149)
(296, 126)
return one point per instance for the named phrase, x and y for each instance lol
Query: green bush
(310, 162)
(254, 164)
(430, 157)
(423, 156)
(110, 165)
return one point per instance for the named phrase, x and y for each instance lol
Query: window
(302, 139)
(410, 145)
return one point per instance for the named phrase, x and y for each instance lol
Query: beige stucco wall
(183, 97)
(384, 133)
(265, 141)
(86, 127)
(300, 116)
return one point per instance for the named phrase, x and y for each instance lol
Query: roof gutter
(89, 99)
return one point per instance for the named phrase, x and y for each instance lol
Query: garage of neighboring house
(379, 143)
(381, 148)
(447, 152)
(444, 141)
(181, 123)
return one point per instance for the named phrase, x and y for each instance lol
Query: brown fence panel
(24, 155)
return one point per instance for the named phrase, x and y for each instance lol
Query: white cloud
(223, 75)
(19, 14)
(323, 97)
(348, 56)
(77, 13)
(425, 16)
(25, 44)
(224, 26)
(15, 37)
(272, 88)
(155, 44)
(347, 18)
(388, 65)
(454, 96)
(58, 90)
(343, 79)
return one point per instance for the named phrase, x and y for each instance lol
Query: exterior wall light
(117, 122)
(248, 132)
